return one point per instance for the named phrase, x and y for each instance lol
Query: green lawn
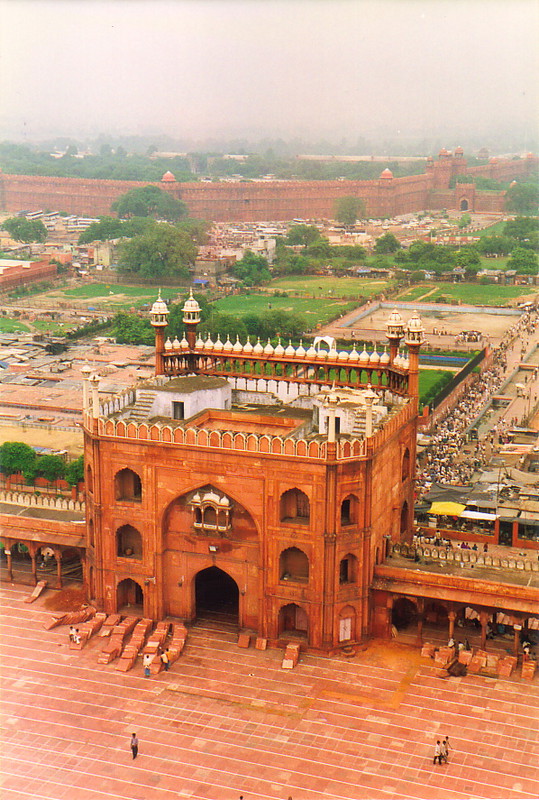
(55, 328)
(493, 230)
(105, 290)
(468, 293)
(494, 263)
(428, 378)
(324, 286)
(314, 311)
(12, 326)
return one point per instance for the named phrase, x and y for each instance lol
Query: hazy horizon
(306, 69)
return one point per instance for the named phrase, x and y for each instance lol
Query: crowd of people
(444, 460)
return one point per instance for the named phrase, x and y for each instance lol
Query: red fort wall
(248, 201)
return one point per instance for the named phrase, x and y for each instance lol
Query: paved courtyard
(227, 722)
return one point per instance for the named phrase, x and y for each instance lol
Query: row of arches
(216, 593)
(294, 503)
(293, 562)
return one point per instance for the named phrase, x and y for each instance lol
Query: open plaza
(225, 722)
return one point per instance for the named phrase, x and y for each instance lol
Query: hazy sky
(267, 67)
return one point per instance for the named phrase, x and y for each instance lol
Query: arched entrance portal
(403, 614)
(464, 206)
(293, 620)
(129, 595)
(216, 595)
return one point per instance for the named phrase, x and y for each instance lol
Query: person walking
(165, 659)
(147, 659)
(437, 753)
(447, 749)
(444, 751)
(134, 745)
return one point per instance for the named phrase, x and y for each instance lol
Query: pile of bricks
(506, 666)
(291, 656)
(528, 670)
(111, 621)
(87, 630)
(154, 645)
(115, 645)
(71, 618)
(130, 652)
(179, 637)
(478, 661)
(444, 656)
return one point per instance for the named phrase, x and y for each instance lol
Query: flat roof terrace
(499, 574)
(248, 422)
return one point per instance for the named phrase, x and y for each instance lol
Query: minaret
(395, 332)
(191, 318)
(414, 340)
(159, 319)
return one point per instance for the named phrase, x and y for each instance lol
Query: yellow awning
(451, 509)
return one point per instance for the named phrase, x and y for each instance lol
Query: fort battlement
(251, 201)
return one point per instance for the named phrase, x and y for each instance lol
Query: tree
(319, 249)
(162, 252)
(524, 261)
(106, 228)
(348, 209)
(149, 201)
(197, 229)
(75, 471)
(223, 325)
(252, 269)
(388, 243)
(495, 245)
(130, 329)
(522, 198)
(523, 230)
(25, 230)
(17, 457)
(280, 323)
(50, 467)
(468, 257)
(302, 234)
(464, 221)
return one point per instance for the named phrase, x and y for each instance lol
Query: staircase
(358, 430)
(141, 410)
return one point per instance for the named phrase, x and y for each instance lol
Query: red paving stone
(226, 721)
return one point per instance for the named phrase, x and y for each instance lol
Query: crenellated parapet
(30, 499)
(251, 443)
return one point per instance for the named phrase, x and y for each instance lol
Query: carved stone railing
(457, 556)
(41, 501)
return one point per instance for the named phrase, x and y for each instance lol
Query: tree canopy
(75, 471)
(131, 329)
(348, 209)
(522, 198)
(302, 234)
(524, 261)
(252, 269)
(16, 457)
(162, 252)
(524, 230)
(149, 201)
(388, 243)
(25, 230)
